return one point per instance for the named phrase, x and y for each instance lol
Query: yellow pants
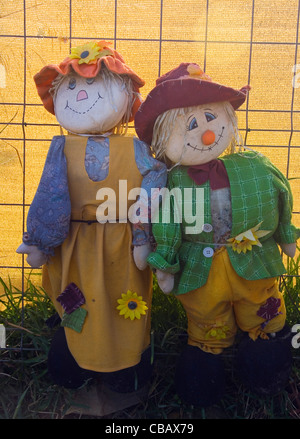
(227, 302)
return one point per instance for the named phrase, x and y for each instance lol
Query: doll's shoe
(264, 366)
(98, 400)
(200, 377)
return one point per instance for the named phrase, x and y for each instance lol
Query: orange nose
(208, 137)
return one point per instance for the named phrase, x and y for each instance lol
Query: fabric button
(208, 252)
(207, 228)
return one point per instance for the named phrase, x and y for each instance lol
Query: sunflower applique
(89, 53)
(217, 332)
(131, 306)
(245, 240)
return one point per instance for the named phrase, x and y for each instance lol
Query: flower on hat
(131, 305)
(195, 71)
(104, 50)
(245, 240)
(89, 53)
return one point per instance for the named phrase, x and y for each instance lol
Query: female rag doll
(78, 224)
(223, 269)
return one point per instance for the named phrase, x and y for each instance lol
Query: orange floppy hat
(87, 61)
(184, 86)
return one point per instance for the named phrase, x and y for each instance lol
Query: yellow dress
(98, 259)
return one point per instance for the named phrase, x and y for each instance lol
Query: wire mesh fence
(237, 42)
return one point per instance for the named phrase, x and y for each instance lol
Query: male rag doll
(218, 233)
(93, 257)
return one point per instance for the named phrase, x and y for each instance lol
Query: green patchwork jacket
(259, 194)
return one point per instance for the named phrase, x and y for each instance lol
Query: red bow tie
(214, 171)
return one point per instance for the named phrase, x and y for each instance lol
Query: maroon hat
(185, 86)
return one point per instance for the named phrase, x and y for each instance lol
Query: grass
(26, 391)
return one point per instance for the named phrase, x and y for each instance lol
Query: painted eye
(209, 116)
(90, 80)
(193, 124)
(72, 83)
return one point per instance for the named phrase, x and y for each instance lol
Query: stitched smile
(86, 111)
(210, 147)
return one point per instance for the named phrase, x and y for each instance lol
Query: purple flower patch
(269, 310)
(71, 298)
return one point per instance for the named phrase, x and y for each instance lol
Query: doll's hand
(35, 257)
(140, 254)
(289, 249)
(165, 281)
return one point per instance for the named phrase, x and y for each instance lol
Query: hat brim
(179, 93)
(46, 76)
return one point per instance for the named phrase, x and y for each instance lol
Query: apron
(98, 259)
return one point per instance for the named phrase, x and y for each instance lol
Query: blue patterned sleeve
(49, 214)
(154, 175)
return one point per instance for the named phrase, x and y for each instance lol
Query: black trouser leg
(200, 377)
(264, 366)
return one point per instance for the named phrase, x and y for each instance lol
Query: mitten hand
(165, 281)
(289, 249)
(36, 258)
(140, 254)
